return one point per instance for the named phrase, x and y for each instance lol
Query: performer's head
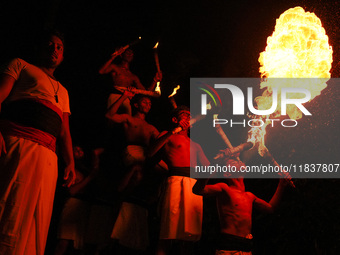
(142, 103)
(51, 49)
(78, 152)
(235, 166)
(181, 113)
(127, 56)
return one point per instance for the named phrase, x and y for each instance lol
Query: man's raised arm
(111, 113)
(273, 203)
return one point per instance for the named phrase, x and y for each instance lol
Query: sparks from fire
(298, 48)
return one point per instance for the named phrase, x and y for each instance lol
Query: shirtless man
(123, 77)
(235, 207)
(138, 132)
(131, 227)
(181, 213)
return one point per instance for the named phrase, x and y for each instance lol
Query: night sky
(212, 38)
(197, 39)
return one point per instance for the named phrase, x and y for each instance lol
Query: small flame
(156, 45)
(140, 38)
(175, 91)
(158, 88)
(256, 135)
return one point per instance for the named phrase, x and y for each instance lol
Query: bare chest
(236, 201)
(123, 77)
(139, 132)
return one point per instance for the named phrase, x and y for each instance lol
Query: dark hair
(137, 98)
(45, 35)
(180, 108)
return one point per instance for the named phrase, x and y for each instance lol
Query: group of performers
(109, 200)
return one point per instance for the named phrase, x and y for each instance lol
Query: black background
(197, 39)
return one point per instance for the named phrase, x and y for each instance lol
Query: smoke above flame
(298, 48)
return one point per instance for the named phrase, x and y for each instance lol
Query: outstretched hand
(129, 92)
(158, 77)
(184, 124)
(228, 154)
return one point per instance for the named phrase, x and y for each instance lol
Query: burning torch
(156, 57)
(171, 97)
(124, 48)
(235, 150)
(158, 88)
(224, 137)
(192, 122)
(140, 91)
(284, 174)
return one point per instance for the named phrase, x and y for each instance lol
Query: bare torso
(140, 132)
(177, 151)
(123, 77)
(235, 211)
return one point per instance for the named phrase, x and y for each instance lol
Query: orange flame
(175, 91)
(156, 45)
(256, 136)
(158, 88)
(298, 48)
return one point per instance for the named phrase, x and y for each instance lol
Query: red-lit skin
(176, 153)
(137, 130)
(52, 55)
(234, 204)
(50, 58)
(81, 181)
(121, 74)
(176, 147)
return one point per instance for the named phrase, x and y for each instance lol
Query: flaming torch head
(298, 48)
(158, 88)
(174, 91)
(171, 97)
(156, 58)
(135, 41)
